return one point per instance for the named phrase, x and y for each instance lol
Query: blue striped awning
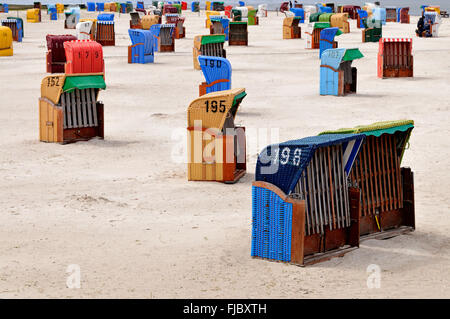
(283, 164)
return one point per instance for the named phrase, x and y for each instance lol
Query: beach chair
(33, 15)
(403, 15)
(16, 28)
(313, 34)
(90, 6)
(304, 210)
(93, 27)
(309, 9)
(166, 38)
(252, 17)
(84, 30)
(217, 72)
(59, 8)
(291, 29)
(209, 14)
(4, 7)
(238, 33)
(240, 14)
(395, 58)
(373, 30)
(351, 10)
(72, 17)
(53, 13)
(208, 45)
(56, 54)
(38, 6)
(340, 20)
(327, 39)
(140, 5)
(262, 10)
(391, 14)
(155, 30)
(184, 5)
(434, 19)
(362, 14)
(135, 21)
(387, 189)
(105, 34)
(69, 109)
(6, 41)
(180, 29)
(284, 7)
(299, 13)
(217, 6)
(149, 20)
(220, 25)
(195, 6)
(337, 76)
(379, 14)
(168, 8)
(100, 6)
(141, 49)
(216, 146)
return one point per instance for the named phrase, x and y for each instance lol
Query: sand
(123, 210)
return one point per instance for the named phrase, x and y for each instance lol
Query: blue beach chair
(217, 72)
(141, 49)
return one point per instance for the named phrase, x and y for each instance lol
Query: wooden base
(388, 233)
(237, 176)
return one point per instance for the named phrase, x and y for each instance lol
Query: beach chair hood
(283, 164)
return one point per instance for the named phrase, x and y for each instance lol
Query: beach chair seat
(141, 49)
(56, 54)
(216, 145)
(303, 209)
(217, 72)
(6, 41)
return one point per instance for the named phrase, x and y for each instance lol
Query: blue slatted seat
(217, 72)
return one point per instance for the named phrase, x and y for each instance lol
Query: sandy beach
(122, 209)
